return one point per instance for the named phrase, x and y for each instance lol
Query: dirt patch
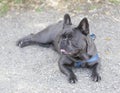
(74, 6)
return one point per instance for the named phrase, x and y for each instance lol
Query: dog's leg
(95, 76)
(39, 39)
(26, 41)
(65, 68)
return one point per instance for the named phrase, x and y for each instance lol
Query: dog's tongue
(64, 51)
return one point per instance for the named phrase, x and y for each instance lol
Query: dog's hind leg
(40, 38)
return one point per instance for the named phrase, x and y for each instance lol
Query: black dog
(74, 43)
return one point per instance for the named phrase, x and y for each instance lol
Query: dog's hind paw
(25, 41)
(22, 43)
(19, 43)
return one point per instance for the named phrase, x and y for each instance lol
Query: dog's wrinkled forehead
(68, 29)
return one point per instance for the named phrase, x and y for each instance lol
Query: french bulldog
(73, 43)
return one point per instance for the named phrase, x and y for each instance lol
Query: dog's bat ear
(84, 26)
(67, 19)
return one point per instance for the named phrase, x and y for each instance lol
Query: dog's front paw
(96, 77)
(72, 79)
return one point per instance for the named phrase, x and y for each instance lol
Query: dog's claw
(96, 78)
(19, 43)
(73, 79)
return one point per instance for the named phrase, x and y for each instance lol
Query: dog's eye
(64, 36)
(70, 36)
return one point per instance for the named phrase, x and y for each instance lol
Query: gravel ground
(35, 69)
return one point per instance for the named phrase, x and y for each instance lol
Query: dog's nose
(63, 44)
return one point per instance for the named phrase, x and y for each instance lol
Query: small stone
(108, 39)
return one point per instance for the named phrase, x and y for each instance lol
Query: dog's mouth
(64, 51)
(69, 53)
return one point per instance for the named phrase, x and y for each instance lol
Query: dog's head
(75, 40)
